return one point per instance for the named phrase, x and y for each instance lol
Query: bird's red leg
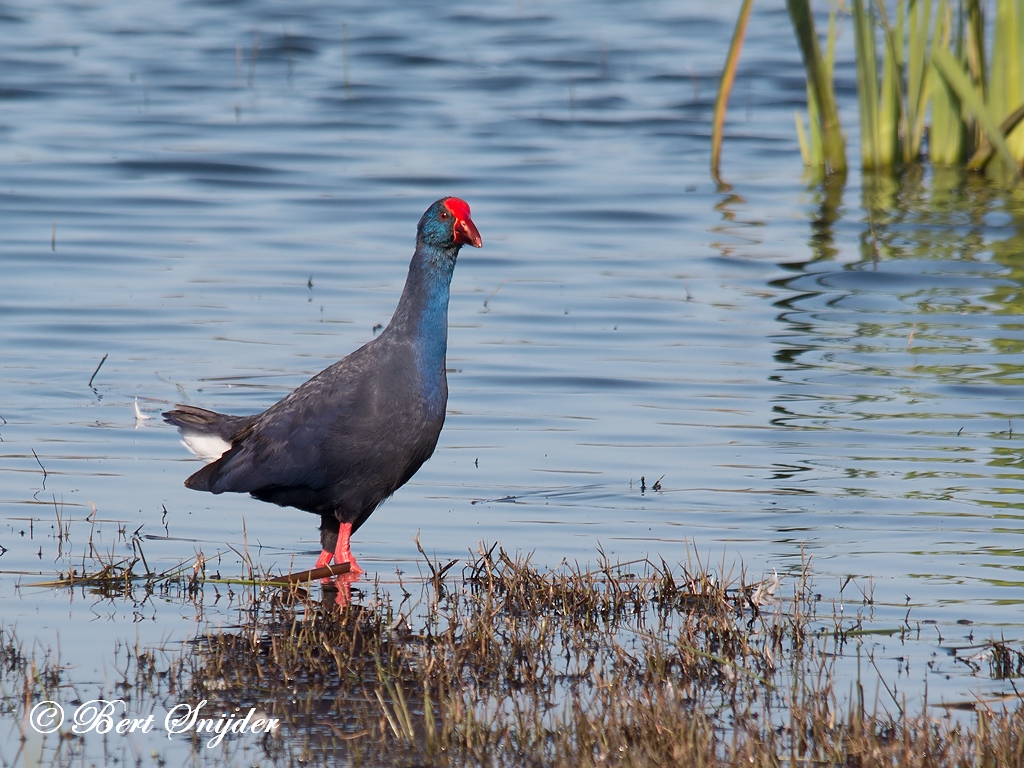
(343, 550)
(324, 559)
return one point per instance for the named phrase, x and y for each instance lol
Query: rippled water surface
(219, 199)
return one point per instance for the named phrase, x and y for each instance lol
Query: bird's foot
(343, 549)
(342, 582)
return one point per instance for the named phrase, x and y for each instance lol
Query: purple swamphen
(352, 435)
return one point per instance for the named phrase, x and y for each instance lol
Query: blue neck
(422, 314)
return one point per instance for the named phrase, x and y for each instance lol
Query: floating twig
(97, 369)
(494, 293)
(41, 467)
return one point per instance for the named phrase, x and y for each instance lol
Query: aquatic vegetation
(933, 64)
(505, 664)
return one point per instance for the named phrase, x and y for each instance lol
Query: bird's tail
(206, 433)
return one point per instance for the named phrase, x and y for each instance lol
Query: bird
(347, 439)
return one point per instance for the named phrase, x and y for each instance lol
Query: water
(219, 199)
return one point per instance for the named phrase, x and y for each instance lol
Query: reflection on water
(901, 352)
(221, 199)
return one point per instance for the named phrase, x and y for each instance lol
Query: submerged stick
(313, 574)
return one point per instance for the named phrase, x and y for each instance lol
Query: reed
(724, 89)
(934, 65)
(925, 84)
(826, 146)
(947, 141)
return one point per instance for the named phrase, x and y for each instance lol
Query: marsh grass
(503, 663)
(108, 575)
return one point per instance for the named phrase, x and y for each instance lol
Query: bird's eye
(445, 215)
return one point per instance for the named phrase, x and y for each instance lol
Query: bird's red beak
(466, 232)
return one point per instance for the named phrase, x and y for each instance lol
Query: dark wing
(340, 443)
(284, 445)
